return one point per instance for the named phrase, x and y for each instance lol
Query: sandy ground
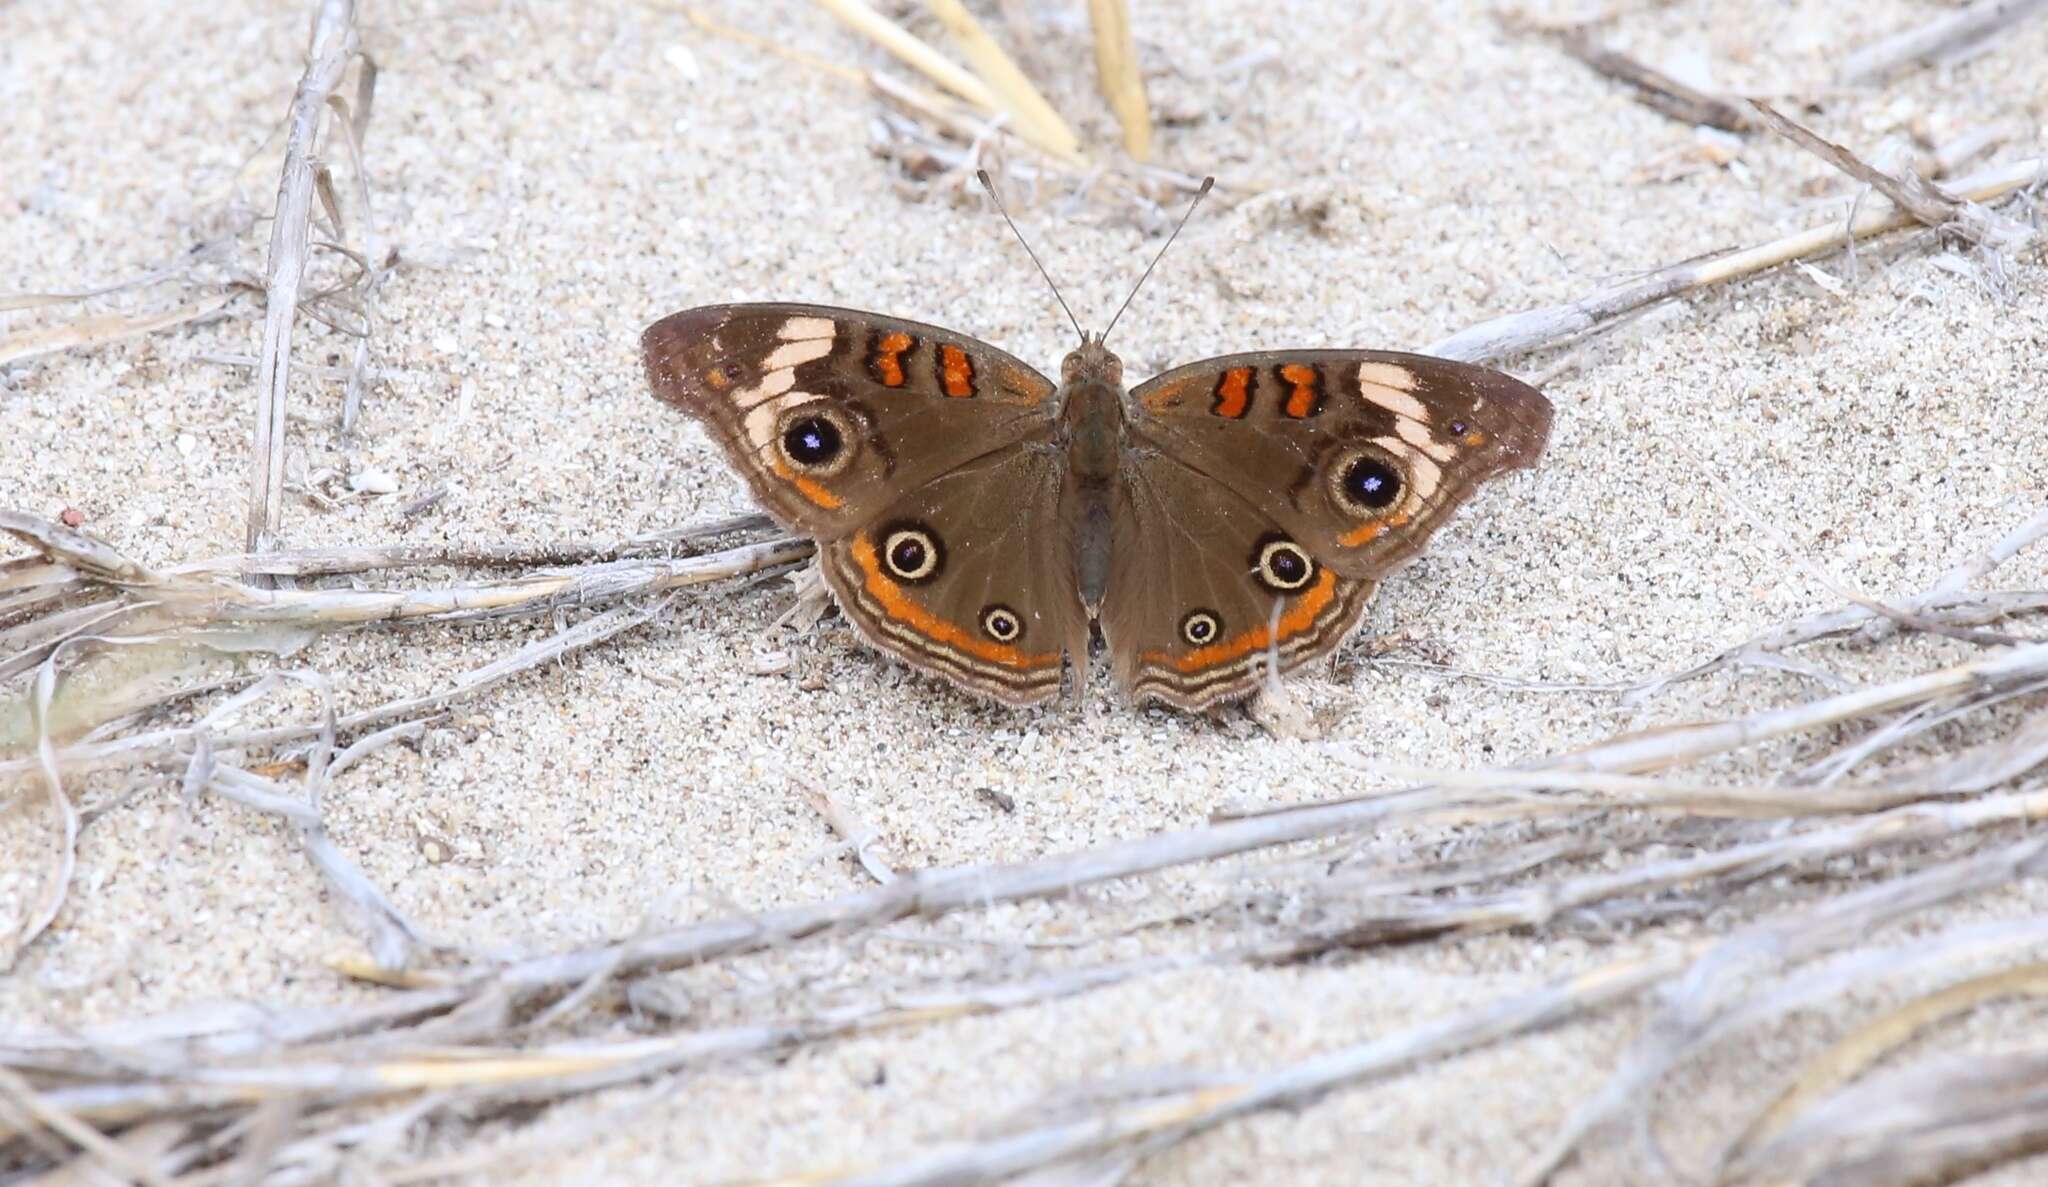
(558, 176)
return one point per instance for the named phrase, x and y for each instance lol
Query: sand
(558, 176)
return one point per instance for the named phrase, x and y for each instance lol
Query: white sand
(562, 175)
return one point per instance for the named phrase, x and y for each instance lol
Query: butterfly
(1221, 522)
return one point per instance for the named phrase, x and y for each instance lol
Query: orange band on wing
(1371, 530)
(889, 357)
(957, 372)
(1233, 393)
(1303, 616)
(809, 488)
(898, 606)
(1303, 401)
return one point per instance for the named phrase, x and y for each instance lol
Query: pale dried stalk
(41, 917)
(160, 745)
(1654, 88)
(1863, 1047)
(1942, 1120)
(1538, 906)
(1954, 33)
(1502, 336)
(1159, 1121)
(1030, 114)
(1917, 197)
(334, 43)
(1117, 75)
(60, 1121)
(108, 327)
(1713, 999)
(914, 53)
(1642, 753)
(338, 1071)
(770, 45)
(327, 562)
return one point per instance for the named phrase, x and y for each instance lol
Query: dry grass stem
(1656, 89)
(334, 44)
(770, 45)
(1030, 114)
(329, 562)
(1157, 1121)
(937, 134)
(1861, 1049)
(913, 52)
(1118, 77)
(1910, 193)
(1515, 333)
(1951, 35)
(107, 327)
(1712, 1000)
(858, 836)
(1941, 1120)
(58, 886)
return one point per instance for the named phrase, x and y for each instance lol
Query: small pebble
(371, 481)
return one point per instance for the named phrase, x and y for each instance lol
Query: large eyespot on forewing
(817, 440)
(1375, 486)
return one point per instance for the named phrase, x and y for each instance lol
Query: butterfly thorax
(1092, 428)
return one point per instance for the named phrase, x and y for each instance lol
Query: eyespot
(1281, 565)
(816, 440)
(1200, 628)
(911, 553)
(1366, 484)
(1001, 624)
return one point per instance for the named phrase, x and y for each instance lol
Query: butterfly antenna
(1207, 184)
(981, 175)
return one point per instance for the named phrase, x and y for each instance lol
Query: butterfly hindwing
(1358, 454)
(970, 576)
(828, 413)
(1209, 594)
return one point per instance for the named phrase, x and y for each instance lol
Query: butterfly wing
(1359, 455)
(1265, 495)
(971, 576)
(828, 412)
(1208, 592)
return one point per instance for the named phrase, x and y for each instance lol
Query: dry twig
(1910, 193)
(1656, 89)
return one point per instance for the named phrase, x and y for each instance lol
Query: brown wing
(828, 413)
(1359, 455)
(1208, 593)
(970, 576)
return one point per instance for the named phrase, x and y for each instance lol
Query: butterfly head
(1092, 362)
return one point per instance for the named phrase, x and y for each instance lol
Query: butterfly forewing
(1359, 455)
(828, 413)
